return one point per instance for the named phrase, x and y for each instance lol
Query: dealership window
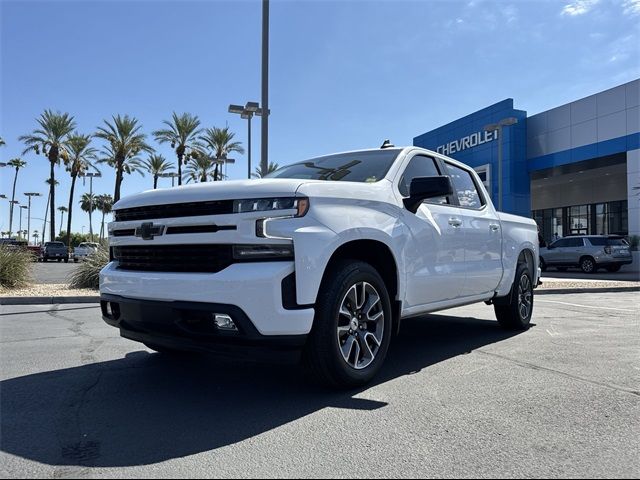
(595, 219)
(484, 172)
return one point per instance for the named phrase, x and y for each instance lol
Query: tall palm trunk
(155, 182)
(119, 173)
(61, 219)
(102, 226)
(70, 212)
(13, 197)
(180, 154)
(53, 159)
(44, 225)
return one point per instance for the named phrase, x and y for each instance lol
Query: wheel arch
(379, 256)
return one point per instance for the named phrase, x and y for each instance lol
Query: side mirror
(423, 188)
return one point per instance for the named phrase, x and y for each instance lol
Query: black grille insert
(175, 210)
(174, 258)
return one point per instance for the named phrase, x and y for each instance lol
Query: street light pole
(22, 207)
(247, 112)
(498, 128)
(264, 138)
(171, 175)
(30, 194)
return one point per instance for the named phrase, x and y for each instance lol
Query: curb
(48, 300)
(556, 291)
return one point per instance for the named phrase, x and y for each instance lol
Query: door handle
(494, 227)
(455, 222)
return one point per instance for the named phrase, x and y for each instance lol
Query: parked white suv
(323, 258)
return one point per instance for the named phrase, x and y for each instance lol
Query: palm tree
(272, 168)
(200, 170)
(156, 165)
(220, 143)
(17, 164)
(124, 143)
(62, 211)
(182, 134)
(81, 156)
(2, 144)
(87, 203)
(51, 139)
(35, 237)
(104, 203)
(46, 209)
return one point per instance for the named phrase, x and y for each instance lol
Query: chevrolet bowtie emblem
(148, 231)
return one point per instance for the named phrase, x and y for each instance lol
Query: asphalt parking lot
(52, 272)
(458, 398)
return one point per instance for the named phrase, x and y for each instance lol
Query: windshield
(369, 166)
(54, 244)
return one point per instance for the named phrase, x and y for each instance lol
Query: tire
(66, 260)
(514, 311)
(75, 260)
(561, 269)
(588, 265)
(543, 265)
(613, 268)
(347, 351)
(59, 260)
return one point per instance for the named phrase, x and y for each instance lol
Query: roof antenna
(387, 144)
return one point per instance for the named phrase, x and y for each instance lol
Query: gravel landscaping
(47, 290)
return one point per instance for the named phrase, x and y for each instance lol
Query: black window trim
(451, 199)
(471, 172)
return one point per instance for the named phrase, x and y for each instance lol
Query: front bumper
(189, 326)
(255, 288)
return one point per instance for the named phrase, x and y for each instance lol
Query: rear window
(603, 241)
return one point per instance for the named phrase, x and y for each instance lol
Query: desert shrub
(15, 266)
(87, 275)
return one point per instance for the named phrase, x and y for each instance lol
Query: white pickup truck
(321, 261)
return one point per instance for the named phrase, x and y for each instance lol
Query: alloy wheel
(525, 297)
(360, 325)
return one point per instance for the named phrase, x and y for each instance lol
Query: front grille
(175, 210)
(174, 258)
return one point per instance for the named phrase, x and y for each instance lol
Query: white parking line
(586, 306)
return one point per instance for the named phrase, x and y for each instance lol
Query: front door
(435, 250)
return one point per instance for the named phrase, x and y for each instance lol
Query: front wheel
(352, 326)
(514, 312)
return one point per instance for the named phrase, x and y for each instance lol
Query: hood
(201, 192)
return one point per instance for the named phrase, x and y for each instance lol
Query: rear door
(482, 233)
(574, 250)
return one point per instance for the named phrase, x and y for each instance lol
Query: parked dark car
(55, 251)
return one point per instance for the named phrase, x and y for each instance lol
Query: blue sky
(343, 75)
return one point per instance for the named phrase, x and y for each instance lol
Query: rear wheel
(588, 265)
(514, 311)
(352, 326)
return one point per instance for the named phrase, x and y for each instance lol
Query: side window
(419, 166)
(575, 242)
(561, 243)
(465, 187)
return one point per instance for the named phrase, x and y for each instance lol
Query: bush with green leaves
(15, 266)
(87, 275)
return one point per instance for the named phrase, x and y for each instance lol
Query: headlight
(262, 252)
(301, 205)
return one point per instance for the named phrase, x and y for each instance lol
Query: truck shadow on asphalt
(147, 408)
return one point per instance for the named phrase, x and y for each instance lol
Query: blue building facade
(574, 168)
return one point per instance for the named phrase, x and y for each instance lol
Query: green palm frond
(219, 141)
(270, 169)
(81, 155)
(156, 164)
(124, 136)
(54, 128)
(86, 202)
(17, 163)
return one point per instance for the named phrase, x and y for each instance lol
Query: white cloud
(580, 7)
(631, 7)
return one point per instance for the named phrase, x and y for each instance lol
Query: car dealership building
(574, 168)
